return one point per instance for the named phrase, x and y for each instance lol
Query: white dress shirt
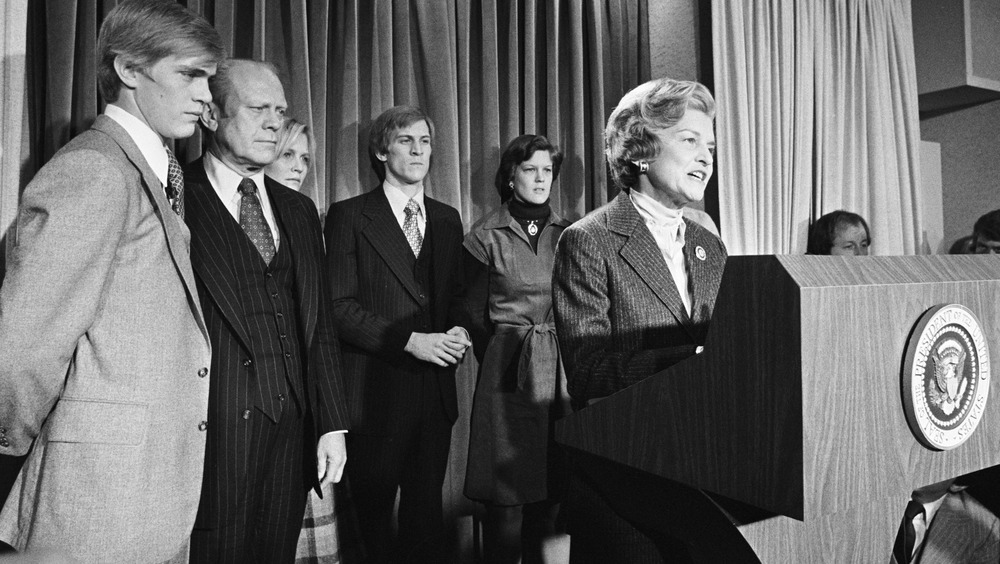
(922, 521)
(150, 144)
(397, 201)
(668, 229)
(226, 183)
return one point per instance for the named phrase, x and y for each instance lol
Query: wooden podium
(794, 408)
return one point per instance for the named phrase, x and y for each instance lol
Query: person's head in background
(660, 141)
(295, 151)
(839, 233)
(528, 167)
(986, 234)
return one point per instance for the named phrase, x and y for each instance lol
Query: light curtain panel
(817, 112)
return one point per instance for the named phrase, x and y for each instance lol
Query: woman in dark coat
(514, 467)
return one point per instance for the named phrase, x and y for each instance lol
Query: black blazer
(233, 387)
(377, 304)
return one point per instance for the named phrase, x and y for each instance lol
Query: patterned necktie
(410, 227)
(252, 221)
(175, 184)
(907, 535)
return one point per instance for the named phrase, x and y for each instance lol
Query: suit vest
(424, 275)
(267, 296)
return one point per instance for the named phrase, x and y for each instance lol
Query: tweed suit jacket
(102, 351)
(963, 530)
(377, 303)
(235, 389)
(618, 314)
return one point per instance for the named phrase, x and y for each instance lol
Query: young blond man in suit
(103, 348)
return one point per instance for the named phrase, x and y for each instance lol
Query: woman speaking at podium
(634, 284)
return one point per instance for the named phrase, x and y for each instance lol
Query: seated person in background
(986, 234)
(944, 524)
(295, 151)
(839, 233)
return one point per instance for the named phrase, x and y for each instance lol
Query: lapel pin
(699, 252)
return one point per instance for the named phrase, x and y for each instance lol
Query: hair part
(143, 32)
(631, 134)
(824, 230)
(519, 150)
(385, 126)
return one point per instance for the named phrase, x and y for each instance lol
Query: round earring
(511, 184)
(643, 167)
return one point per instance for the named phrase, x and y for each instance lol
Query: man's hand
(331, 456)
(440, 348)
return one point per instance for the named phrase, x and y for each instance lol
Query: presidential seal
(946, 376)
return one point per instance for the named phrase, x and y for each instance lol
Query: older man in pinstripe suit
(277, 401)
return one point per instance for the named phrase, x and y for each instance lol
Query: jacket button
(247, 362)
(203, 372)
(246, 414)
(288, 355)
(4, 442)
(274, 294)
(203, 425)
(281, 397)
(3, 430)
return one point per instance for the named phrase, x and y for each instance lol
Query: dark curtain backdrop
(485, 71)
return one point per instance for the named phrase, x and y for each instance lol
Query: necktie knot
(412, 208)
(247, 187)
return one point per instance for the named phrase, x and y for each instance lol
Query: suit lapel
(644, 257)
(177, 234)
(385, 235)
(697, 250)
(210, 243)
(296, 238)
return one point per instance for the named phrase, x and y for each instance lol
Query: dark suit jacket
(377, 303)
(618, 313)
(234, 388)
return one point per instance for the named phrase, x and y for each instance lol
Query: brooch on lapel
(700, 252)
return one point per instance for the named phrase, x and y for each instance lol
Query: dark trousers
(267, 528)
(414, 461)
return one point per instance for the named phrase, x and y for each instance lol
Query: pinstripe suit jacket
(234, 387)
(963, 530)
(618, 313)
(377, 303)
(101, 344)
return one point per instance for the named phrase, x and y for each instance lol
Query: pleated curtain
(818, 111)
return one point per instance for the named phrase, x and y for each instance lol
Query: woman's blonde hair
(289, 132)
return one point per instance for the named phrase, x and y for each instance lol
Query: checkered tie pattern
(252, 220)
(175, 184)
(410, 227)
